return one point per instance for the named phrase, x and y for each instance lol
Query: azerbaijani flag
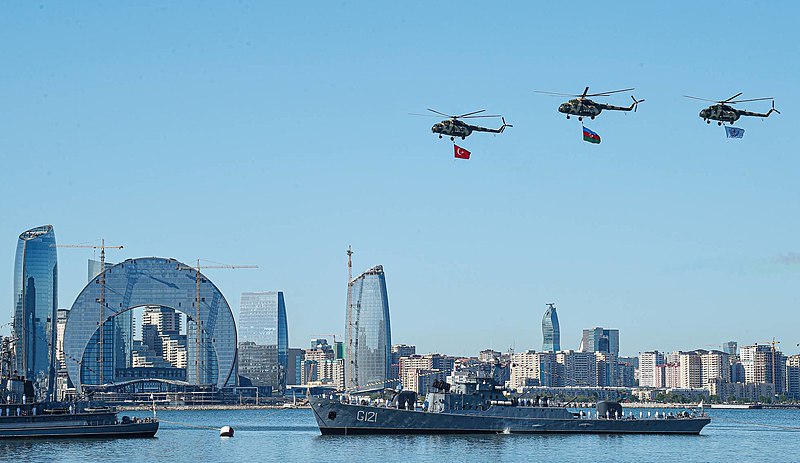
(590, 136)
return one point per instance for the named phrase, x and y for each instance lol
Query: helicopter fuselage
(580, 107)
(452, 128)
(720, 113)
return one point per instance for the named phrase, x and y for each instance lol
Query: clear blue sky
(252, 133)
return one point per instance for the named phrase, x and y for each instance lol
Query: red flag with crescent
(460, 152)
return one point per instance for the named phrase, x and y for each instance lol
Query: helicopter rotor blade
(609, 93)
(731, 98)
(701, 99)
(556, 94)
(424, 115)
(439, 113)
(752, 99)
(585, 91)
(469, 114)
(482, 115)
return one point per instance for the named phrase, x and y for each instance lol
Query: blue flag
(734, 132)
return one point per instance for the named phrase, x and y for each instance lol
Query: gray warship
(23, 417)
(477, 404)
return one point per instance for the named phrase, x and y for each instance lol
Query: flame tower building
(551, 333)
(368, 354)
(35, 306)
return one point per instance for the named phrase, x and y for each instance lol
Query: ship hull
(336, 418)
(82, 431)
(78, 425)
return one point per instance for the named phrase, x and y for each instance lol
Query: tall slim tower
(368, 354)
(264, 337)
(551, 333)
(35, 305)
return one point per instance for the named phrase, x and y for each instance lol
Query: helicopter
(723, 112)
(582, 106)
(456, 128)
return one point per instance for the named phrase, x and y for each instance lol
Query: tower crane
(102, 300)
(198, 327)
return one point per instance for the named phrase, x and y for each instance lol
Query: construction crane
(102, 300)
(198, 328)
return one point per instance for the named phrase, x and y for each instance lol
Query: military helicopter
(456, 128)
(722, 111)
(582, 106)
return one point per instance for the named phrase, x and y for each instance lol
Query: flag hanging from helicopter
(733, 132)
(590, 136)
(460, 152)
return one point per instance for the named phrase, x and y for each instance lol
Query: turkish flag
(460, 152)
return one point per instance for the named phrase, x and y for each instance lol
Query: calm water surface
(292, 435)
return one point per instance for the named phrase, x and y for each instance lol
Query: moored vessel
(477, 404)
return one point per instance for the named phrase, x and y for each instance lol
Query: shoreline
(149, 407)
(633, 405)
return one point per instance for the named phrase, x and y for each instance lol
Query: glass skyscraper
(149, 281)
(35, 305)
(368, 357)
(264, 335)
(551, 333)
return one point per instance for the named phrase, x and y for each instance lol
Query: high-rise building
(606, 342)
(319, 362)
(576, 369)
(399, 351)
(262, 322)
(531, 368)
(368, 354)
(715, 365)
(648, 373)
(669, 374)
(161, 332)
(489, 355)
(764, 364)
(61, 323)
(35, 304)
(551, 333)
(793, 376)
(729, 347)
(417, 372)
(293, 371)
(151, 281)
(691, 366)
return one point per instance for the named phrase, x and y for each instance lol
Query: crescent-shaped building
(143, 282)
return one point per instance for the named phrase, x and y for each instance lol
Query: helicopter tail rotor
(773, 110)
(635, 103)
(503, 127)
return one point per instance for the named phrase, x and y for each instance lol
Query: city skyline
(94, 269)
(666, 230)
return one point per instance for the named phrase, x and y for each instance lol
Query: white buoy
(226, 431)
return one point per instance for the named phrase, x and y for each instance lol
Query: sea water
(291, 435)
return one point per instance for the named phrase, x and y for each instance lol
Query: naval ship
(476, 403)
(22, 417)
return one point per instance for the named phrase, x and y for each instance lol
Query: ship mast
(350, 361)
